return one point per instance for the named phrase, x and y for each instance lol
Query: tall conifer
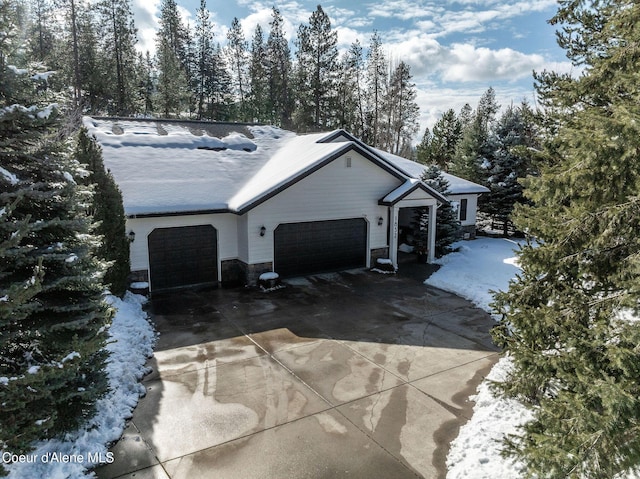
(576, 358)
(52, 316)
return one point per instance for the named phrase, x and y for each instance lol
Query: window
(463, 209)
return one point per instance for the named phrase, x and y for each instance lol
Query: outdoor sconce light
(263, 230)
(132, 236)
(380, 221)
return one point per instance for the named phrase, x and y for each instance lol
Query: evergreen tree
(575, 357)
(279, 70)
(513, 159)
(476, 148)
(423, 148)
(258, 78)
(97, 93)
(349, 111)
(41, 44)
(119, 55)
(447, 224)
(108, 212)
(173, 60)
(221, 101)
(52, 316)
(441, 146)
(173, 32)
(204, 57)
(237, 58)
(316, 73)
(401, 112)
(172, 89)
(376, 86)
(71, 11)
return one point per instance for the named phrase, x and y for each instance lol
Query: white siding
(225, 224)
(333, 192)
(472, 207)
(243, 238)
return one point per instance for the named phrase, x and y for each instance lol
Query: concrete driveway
(344, 375)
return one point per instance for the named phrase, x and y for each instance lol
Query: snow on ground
(478, 267)
(131, 340)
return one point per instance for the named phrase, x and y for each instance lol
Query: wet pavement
(355, 374)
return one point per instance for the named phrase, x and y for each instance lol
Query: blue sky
(456, 49)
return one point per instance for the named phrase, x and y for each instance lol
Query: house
(223, 203)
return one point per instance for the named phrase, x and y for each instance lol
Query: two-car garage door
(320, 246)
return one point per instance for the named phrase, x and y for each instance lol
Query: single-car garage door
(182, 256)
(320, 246)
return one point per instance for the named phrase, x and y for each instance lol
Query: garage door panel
(182, 256)
(319, 246)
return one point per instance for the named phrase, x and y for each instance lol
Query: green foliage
(52, 316)
(439, 147)
(575, 362)
(316, 73)
(447, 224)
(108, 213)
(516, 142)
(477, 143)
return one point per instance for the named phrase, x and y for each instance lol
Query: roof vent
(347, 162)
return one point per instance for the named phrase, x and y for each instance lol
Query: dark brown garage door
(182, 256)
(320, 246)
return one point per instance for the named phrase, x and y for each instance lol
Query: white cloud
(145, 12)
(467, 63)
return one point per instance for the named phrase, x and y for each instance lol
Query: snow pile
(478, 267)
(10, 177)
(475, 453)
(271, 275)
(131, 340)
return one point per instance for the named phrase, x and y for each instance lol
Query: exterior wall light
(380, 221)
(132, 236)
(263, 230)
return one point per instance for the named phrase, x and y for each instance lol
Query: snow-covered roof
(457, 185)
(409, 186)
(174, 167)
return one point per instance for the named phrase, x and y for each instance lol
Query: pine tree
(441, 145)
(172, 90)
(221, 100)
(41, 44)
(119, 55)
(236, 51)
(476, 148)
(279, 71)
(376, 86)
(316, 72)
(258, 79)
(52, 316)
(349, 107)
(204, 57)
(516, 143)
(401, 112)
(575, 357)
(108, 212)
(447, 224)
